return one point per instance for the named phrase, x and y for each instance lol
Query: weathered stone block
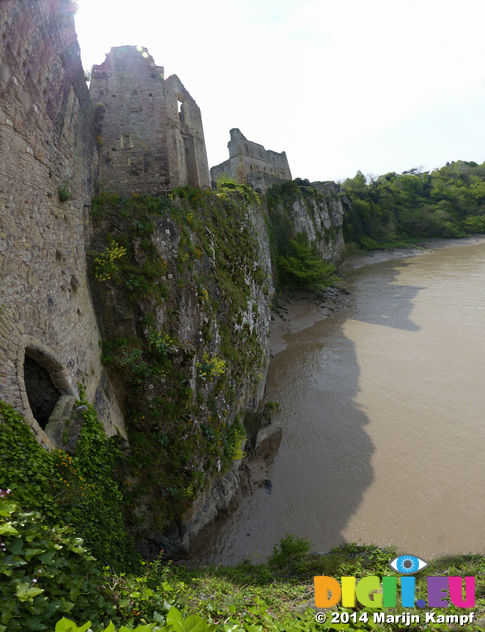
(268, 441)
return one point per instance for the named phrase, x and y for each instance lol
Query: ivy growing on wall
(82, 489)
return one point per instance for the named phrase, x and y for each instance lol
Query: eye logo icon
(407, 564)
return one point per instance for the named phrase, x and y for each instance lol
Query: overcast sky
(340, 85)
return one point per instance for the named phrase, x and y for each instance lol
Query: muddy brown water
(383, 415)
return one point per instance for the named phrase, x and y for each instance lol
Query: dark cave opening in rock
(41, 392)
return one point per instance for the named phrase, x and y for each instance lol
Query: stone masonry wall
(185, 125)
(47, 145)
(148, 143)
(247, 159)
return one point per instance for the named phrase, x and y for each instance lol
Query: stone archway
(41, 392)
(46, 391)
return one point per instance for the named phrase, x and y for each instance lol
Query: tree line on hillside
(393, 208)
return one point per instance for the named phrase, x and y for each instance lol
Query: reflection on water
(382, 408)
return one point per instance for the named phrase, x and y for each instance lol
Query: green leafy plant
(475, 224)
(290, 550)
(45, 572)
(83, 489)
(64, 192)
(271, 406)
(160, 343)
(304, 268)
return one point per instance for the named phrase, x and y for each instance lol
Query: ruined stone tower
(250, 163)
(150, 129)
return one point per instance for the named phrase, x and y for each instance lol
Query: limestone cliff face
(316, 211)
(191, 293)
(320, 218)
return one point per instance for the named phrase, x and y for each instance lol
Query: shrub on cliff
(303, 268)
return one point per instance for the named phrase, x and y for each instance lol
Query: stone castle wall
(150, 129)
(47, 145)
(250, 163)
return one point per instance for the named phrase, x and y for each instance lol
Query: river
(383, 415)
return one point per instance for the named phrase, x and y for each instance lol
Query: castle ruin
(143, 135)
(150, 131)
(250, 163)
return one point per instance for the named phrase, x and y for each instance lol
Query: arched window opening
(41, 392)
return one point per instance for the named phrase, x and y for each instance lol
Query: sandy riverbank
(299, 310)
(377, 256)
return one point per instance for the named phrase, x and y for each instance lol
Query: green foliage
(224, 181)
(291, 550)
(81, 489)
(160, 343)
(233, 442)
(136, 370)
(228, 184)
(475, 224)
(26, 468)
(106, 199)
(64, 192)
(271, 406)
(104, 263)
(211, 367)
(415, 205)
(246, 598)
(98, 514)
(303, 267)
(44, 573)
(278, 597)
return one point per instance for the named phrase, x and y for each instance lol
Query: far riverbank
(377, 256)
(299, 310)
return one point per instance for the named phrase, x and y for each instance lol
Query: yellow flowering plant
(104, 264)
(211, 367)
